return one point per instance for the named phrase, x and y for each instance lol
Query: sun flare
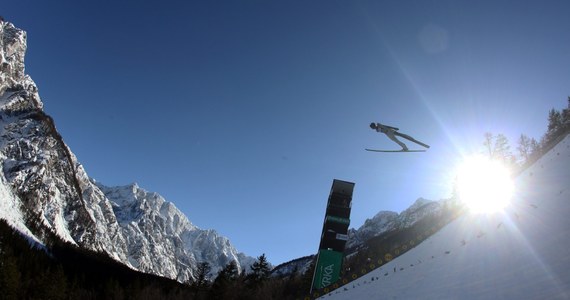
(484, 185)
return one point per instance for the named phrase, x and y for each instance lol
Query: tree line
(257, 283)
(61, 270)
(528, 149)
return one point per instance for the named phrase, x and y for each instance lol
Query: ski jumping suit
(391, 133)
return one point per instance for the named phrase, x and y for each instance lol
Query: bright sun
(484, 185)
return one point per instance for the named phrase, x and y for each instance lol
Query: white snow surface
(10, 209)
(521, 253)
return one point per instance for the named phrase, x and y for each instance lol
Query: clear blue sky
(243, 112)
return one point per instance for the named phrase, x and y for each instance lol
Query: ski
(374, 150)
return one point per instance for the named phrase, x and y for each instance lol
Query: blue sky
(243, 112)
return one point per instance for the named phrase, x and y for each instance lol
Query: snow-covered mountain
(521, 253)
(43, 189)
(382, 222)
(386, 221)
(155, 231)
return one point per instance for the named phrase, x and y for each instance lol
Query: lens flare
(484, 185)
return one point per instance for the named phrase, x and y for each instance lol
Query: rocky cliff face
(156, 232)
(44, 188)
(386, 221)
(51, 188)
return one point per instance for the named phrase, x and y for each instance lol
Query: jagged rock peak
(419, 203)
(12, 69)
(13, 51)
(132, 202)
(146, 217)
(384, 214)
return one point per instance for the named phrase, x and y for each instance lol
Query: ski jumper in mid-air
(392, 132)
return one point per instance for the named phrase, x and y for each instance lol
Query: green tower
(334, 235)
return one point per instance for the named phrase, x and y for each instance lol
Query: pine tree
(228, 273)
(202, 274)
(201, 284)
(223, 286)
(554, 125)
(259, 271)
(566, 117)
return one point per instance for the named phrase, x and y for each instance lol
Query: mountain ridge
(45, 189)
(383, 222)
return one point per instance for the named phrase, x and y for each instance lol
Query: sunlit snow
(521, 253)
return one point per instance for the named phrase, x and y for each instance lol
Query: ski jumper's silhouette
(392, 132)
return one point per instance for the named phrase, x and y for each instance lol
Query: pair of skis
(375, 150)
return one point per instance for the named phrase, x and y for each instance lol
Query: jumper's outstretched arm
(394, 128)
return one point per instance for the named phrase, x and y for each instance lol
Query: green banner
(328, 268)
(338, 219)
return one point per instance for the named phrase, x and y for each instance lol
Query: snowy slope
(522, 253)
